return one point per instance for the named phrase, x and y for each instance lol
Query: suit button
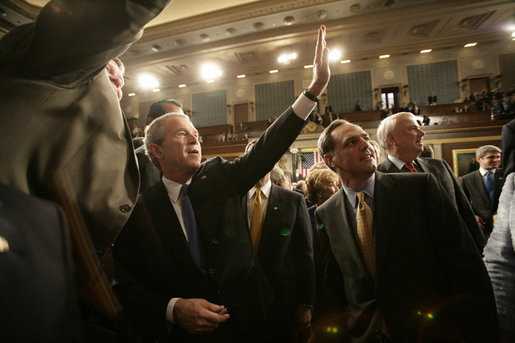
(125, 208)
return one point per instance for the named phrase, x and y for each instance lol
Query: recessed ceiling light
(287, 58)
(384, 56)
(131, 94)
(469, 45)
(148, 81)
(345, 61)
(181, 85)
(309, 66)
(210, 81)
(273, 71)
(425, 51)
(241, 76)
(335, 54)
(155, 90)
(211, 71)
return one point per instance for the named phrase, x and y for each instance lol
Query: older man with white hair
(402, 138)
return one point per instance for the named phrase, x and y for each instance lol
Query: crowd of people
(101, 243)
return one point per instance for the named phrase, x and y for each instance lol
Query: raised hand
(321, 71)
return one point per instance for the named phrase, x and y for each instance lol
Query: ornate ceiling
(246, 37)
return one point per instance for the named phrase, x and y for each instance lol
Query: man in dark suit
(190, 232)
(483, 186)
(402, 138)
(399, 269)
(149, 173)
(37, 290)
(63, 135)
(280, 231)
(432, 99)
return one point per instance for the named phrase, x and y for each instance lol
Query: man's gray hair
(155, 133)
(277, 176)
(485, 149)
(326, 142)
(387, 126)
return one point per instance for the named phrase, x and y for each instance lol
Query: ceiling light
(469, 45)
(309, 66)
(425, 51)
(131, 94)
(211, 71)
(155, 90)
(273, 71)
(210, 81)
(182, 85)
(345, 61)
(287, 58)
(384, 56)
(241, 76)
(335, 54)
(147, 81)
(513, 35)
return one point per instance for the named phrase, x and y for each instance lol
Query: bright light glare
(469, 45)
(425, 51)
(384, 56)
(241, 76)
(345, 61)
(273, 71)
(211, 71)
(309, 66)
(286, 58)
(335, 54)
(132, 94)
(147, 81)
(182, 85)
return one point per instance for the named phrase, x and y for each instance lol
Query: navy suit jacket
(443, 173)
(474, 187)
(286, 249)
(425, 262)
(231, 276)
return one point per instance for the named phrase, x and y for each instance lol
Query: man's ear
(390, 139)
(478, 159)
(328, 159)
(155, 150)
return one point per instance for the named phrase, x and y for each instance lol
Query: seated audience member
(61, 86)
(500, 249)
(506, 105)
(432, 99)
(426, 120)
(37, 285)
(466, 108)
(457, 109)
(416, 110)
(444, 121)
(279, 227)
(483, 186)
(401, 137)
(396, 270)
(195, 277)
(357, 108)
(149, 173)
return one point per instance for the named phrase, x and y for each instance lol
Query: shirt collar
(265, 190)
(397, 162)
(483, 171)
(368, 190)
(173, 188)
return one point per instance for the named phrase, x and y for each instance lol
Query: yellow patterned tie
(256, 220)
(364, 221)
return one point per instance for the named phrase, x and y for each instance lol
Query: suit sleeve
(462, 268)
(76, 35)
(466, 211)
(304, 263)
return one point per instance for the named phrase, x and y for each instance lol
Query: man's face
(490, 161)
(353, 155)
(180, 152)
(116, 78)
(407, 139)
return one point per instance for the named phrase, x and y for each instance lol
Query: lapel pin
(203, 177)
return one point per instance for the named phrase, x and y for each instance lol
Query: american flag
(308, 159)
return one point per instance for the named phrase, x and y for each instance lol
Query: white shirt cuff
(302, 107)
(169, 310)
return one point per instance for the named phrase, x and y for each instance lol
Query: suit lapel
(389, 167)
(167, 224)
(269, 226)
(340, 229)
(479, 183)
(385, 214)
(426, 167)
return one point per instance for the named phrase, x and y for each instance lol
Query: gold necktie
(364, 221)
(256, 220)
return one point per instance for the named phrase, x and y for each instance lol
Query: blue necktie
(191, 224)
(489, 184)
